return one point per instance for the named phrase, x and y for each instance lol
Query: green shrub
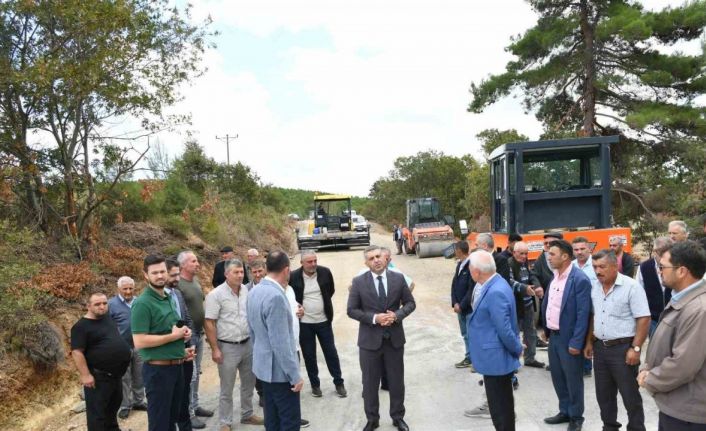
(174, 224)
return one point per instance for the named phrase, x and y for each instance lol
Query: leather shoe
(200, 411)
(559, 418)
(534, 364)
(341, 391)
(574, 426)
(197, 423)
(401, 425)
(370, 426)
(123, 413)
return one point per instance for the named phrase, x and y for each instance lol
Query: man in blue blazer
(275, 359)
(567, 309)
(494, 338)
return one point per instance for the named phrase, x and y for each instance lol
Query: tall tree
(598, 67)
(609, 61)
(85, 62)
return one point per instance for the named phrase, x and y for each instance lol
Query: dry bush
(118, 261)
(64, 280)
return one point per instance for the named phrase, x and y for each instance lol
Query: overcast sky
(326, 94)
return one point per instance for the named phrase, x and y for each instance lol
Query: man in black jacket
(544, 273)
(649, 278)
(460, 286)
(219, 271)
(626, 263)
(313, 288)
(528, 285)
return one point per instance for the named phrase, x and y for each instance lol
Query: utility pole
(227, 138)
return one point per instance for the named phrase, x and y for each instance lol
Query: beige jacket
(676, 358)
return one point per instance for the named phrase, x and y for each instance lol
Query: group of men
(593, 313)
(590, 307)
(145, 353)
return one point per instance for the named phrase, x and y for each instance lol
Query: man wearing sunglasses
(675, 366)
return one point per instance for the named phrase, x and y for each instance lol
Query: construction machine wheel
(431, 249)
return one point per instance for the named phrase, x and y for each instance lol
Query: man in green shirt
(160, 337)
(194, 297)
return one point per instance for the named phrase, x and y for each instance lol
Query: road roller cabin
(556, 185)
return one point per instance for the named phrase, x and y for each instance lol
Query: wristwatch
(636, 348)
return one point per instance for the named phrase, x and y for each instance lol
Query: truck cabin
(557, 184)
(332, 212)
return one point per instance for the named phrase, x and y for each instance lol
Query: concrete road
(436, 392)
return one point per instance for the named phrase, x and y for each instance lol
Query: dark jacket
(575, 309)
(628, 265)
(325, 280)
(542, 271)
(520, 289)
(461, 284)
(364, 303)
(219, 274)
(501, 266)
(656, 298)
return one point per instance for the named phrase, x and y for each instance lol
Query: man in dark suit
(495, 342)
(626, 263)
(460, 285)
(380, 300)
(648, 276)
(567, 307)
(219, 271)
(512, 239)
(313, 288)
(544, 273)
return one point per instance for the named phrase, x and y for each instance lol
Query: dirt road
(436, 392)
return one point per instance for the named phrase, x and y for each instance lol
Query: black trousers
(372, 364)
(613, 375)
(669, 423)
(184, 419)
(308, 333)
(103, 402)
(501, 401)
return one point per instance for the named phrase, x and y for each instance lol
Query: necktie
(381, 292)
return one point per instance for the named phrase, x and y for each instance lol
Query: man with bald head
(678, 231)
(626, 264)
(527, 284)
(313, 288)
(493, 338)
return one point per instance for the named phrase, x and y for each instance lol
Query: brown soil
(34, 399)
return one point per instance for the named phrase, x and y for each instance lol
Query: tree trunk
(589, 66)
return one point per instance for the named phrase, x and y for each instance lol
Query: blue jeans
(196, 340)
(164, 387)
(282, 407)
(462, 322)
(567, 377)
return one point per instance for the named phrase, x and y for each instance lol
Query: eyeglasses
(661, 267)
